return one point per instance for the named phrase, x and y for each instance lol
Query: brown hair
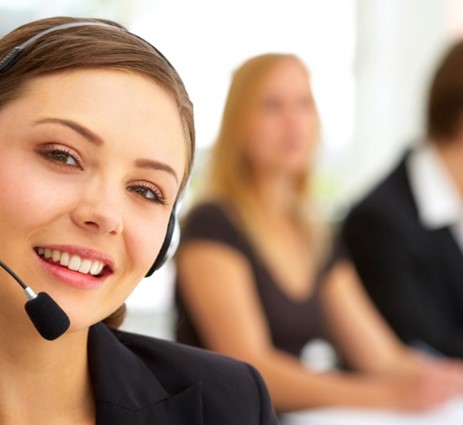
(85, 47)
(445, 103)
(230, 173)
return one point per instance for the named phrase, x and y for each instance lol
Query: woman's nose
(99, 210)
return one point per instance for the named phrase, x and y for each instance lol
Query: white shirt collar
(436, 195)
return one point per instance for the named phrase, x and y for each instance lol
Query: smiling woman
(96, 145)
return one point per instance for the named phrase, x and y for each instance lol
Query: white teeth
(55, 255)
(72, 262)
(85, 266)
(96, 268)
(64, 260)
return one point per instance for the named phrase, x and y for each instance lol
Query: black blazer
(414, 275)
(138, 380)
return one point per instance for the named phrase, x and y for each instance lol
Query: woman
(96, 143)
(254, 276)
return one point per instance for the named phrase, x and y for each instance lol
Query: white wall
(398, 45)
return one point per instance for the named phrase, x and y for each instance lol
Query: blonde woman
(257, 277)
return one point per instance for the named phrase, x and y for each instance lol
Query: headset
(172, 236)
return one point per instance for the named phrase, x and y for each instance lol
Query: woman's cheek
(146, 244)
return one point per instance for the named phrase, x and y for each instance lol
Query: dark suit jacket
(138, 380)
(414, 275)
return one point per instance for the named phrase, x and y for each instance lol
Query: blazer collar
(127, 392)
(438, 202)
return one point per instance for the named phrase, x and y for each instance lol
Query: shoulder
(206, 212)
(136, 376)
(190, 362)
(390, 199)
(212, 221)
(226, 383)
(229, 387)
(384, 217)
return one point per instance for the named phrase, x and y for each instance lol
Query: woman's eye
(149, 193)
(61, 156)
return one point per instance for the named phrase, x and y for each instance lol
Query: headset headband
(12, 56)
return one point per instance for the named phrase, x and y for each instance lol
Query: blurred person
(96, 144)
(257, 274)
(406, 236)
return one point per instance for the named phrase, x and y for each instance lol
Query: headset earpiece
(170, 244)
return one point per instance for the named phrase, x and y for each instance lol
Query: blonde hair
(229, 180)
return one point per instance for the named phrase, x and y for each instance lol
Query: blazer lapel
(127, 393)
(450, 258)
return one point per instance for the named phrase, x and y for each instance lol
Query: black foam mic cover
(47, 316)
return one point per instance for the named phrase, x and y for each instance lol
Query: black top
(138, 380)
(292, 323)
(414, 275)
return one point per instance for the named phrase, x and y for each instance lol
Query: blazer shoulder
(148, 348)
(226, 383)
(392, 193)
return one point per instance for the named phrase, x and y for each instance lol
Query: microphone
(45, 314)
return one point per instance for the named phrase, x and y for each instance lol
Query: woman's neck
(44, 381)
(275, 194)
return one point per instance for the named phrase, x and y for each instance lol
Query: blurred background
(370, 60)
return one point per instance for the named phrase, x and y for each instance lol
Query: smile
(72, 261)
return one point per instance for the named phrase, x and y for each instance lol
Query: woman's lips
(75, 267)
(73, 262)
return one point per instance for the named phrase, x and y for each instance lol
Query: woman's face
(90, 166)
(284, 129)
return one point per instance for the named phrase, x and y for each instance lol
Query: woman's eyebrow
(83, 131)
(156, 165)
